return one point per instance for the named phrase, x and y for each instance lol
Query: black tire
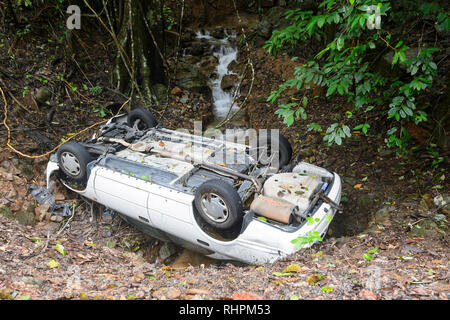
(284, 148)
(145, 117)
(72, 160)
(216, 194)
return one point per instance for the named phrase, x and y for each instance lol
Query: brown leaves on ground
(245, 296)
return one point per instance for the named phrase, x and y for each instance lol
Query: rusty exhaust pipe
(275, 209)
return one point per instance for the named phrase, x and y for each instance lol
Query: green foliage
(344, 65)
(102, 111)
(311, 237)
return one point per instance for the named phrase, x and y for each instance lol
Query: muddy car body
(180, 187)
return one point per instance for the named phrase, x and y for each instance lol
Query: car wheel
(219, 204)
(72, 160)
(265, 144)
(143, 118)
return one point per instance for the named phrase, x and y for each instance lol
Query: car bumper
(262, 242)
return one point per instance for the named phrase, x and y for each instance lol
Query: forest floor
(389, 243)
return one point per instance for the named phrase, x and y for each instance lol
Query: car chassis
(180, 187)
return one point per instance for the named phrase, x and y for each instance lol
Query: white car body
(166, 211)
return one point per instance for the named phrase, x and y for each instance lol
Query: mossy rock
(426, 228)
(26, 217)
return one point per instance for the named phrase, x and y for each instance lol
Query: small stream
(225, 50)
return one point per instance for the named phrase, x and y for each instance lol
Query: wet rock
(196, 48)
(167, 250)
(228, 81)
(208, 65)
(218, 33)
(192, 79)
(237, 68)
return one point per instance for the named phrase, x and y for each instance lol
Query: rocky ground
(389, 243)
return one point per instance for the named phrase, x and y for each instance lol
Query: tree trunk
(138, 60)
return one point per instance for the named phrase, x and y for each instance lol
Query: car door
(123, 193)
(170, 210)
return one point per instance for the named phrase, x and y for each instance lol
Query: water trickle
(225, 51)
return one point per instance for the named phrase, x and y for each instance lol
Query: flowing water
(225, 50)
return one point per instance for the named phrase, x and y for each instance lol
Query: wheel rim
(70, 163)
(214, 207)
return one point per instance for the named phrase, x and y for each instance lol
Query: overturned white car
(227, 200)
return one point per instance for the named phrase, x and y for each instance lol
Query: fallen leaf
(357, 186)
(60, 248)
(314, 278)
(173, 293)
(292, 268)
(366, 294)
(327, 289)
(53, 264)
(197, 291)
(282, 274)
(245, 296)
